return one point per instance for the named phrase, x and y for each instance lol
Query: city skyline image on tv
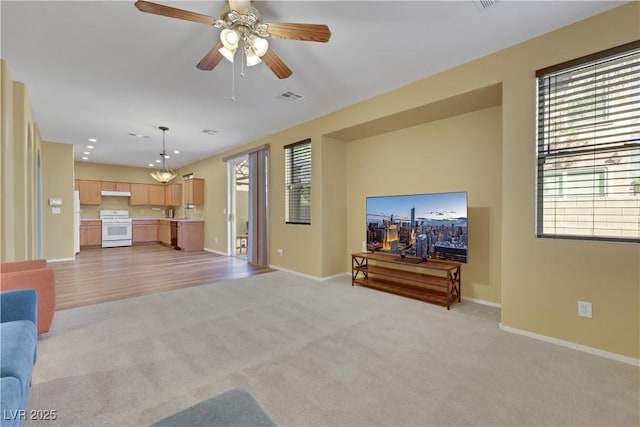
(426, 226)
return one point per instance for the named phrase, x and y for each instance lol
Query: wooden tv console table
(384, 275)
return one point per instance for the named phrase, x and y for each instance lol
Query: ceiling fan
(242, 26)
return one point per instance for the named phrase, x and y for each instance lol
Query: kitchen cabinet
(90, 233)
(173, 195)
(191, 235)
(144, 231)
(139, 194)
(114, 186)
(89, 192)
(164, 232)
(156, 194)
(194, 191)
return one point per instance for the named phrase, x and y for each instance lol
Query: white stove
(116, 228)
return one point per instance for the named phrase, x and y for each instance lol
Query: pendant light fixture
(165, 174)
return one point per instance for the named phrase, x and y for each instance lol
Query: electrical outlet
(281, 252)
(585, 309)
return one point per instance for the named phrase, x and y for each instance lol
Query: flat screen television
(419, 226)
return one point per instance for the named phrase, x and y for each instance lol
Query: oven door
(116, 234)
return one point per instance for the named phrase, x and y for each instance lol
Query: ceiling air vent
(290, 96)
(137, 135)
(209, 131)
(484, 4)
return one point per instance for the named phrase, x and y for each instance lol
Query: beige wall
(538, 282)
(57, 182)
(462, 153)
(335, 203)
(20, 143)
(214, 173)
(7, 251)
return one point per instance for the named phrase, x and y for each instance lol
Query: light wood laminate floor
(100, 275)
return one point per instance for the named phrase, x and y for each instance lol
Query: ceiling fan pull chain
(244, 58)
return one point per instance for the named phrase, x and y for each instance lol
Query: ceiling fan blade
(304, 32)
(211, 59)
(240, 6)
(172, 12)
(276, 65)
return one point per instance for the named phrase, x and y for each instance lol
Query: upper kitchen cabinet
(156, 195)
(173, 194)
(139, 194)
(194, 191)
(89, 192)
(115, 186)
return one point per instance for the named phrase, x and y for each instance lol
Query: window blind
(588, 148)
(298, 183)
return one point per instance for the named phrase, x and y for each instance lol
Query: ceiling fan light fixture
(251, 57)
(228, 54)
(259, 46)
(164, 174)
(229, 38)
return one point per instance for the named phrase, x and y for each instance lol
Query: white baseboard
(297, 273)
(483, 302)
(574, 346)
(335, 276)
(62, 259)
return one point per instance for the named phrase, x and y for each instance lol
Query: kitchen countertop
(169, 219)
(152, 219)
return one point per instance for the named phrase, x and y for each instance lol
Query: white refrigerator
(76, 222)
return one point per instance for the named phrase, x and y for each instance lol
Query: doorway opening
(248, 222)
(239, 206)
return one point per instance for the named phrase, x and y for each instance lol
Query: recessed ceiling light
(93, 140)
(150, 165)
(166, 156)
(157, 161)
(87, 152)
(85, 158)
(176, 152)
(90, 147)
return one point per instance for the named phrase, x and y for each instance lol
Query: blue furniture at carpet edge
(18, 343)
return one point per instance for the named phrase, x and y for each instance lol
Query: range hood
(116, 193)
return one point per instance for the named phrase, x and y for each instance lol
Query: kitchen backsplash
(122, 203)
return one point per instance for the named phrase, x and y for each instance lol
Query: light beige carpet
(318, 353)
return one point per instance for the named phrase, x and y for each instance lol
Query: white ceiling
(102, 69)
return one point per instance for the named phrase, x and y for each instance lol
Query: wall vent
(290, 96)
(484, 4)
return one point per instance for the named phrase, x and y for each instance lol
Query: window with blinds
(588, 147)
(297, 195)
